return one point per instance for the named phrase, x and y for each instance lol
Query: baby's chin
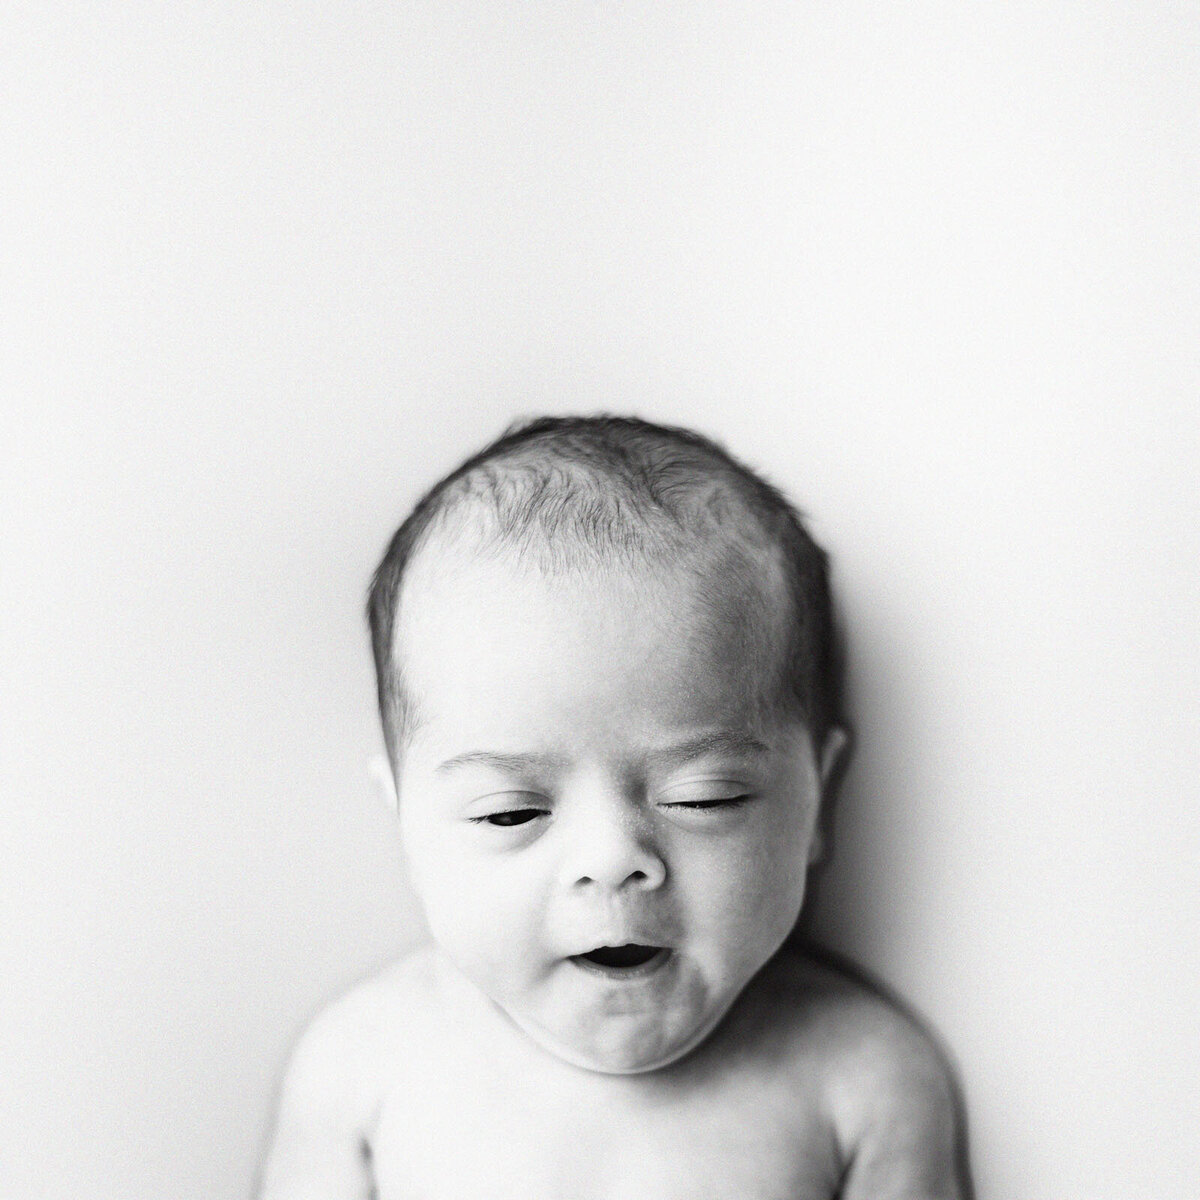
(618, 1049)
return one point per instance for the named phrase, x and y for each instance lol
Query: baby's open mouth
(626, 959)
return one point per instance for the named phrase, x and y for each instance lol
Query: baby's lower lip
(624, 962)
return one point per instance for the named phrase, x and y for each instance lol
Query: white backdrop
(269, 269)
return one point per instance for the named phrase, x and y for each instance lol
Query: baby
(608, 687)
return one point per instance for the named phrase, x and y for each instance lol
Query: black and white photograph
(599, 601)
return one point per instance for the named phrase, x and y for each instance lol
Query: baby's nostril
(629, 955)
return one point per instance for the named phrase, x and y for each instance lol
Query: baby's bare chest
(458, 1138)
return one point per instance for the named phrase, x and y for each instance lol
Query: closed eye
(713, 802)
(505, 820)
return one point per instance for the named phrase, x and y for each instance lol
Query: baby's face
(608, 830)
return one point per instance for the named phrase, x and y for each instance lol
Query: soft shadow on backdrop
(271, 269)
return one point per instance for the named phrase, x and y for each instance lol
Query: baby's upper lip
(614, 941)
(619, 929)
(624, 955)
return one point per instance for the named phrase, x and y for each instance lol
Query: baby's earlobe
(380, 771)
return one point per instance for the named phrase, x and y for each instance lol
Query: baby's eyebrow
(514, 764)
(720, 741)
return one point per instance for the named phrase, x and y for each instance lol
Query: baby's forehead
(485, 640)
(679, 523)
(725, 600)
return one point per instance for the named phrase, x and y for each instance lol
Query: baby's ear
(384, 780)
(832, 757)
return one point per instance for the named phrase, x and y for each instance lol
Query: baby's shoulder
(349, 1051)
(881, 1079)
(336, 1081)
(848, 1024)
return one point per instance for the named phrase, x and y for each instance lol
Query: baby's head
(607, 679)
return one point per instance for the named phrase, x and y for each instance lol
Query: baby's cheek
(482, 913)
(769, 888)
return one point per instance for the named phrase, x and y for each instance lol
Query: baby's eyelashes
(511, 810)
(714, 794)
(709, 813)
(508, 809)
(710, 802)
(510, 817)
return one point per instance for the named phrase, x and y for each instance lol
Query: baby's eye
(711, 802)
(515, 816)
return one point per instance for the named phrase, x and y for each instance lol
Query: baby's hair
(568, 491)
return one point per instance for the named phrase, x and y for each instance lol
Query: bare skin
(413, 1087)
(600, 766)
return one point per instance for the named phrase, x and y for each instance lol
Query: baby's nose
(613, 849)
